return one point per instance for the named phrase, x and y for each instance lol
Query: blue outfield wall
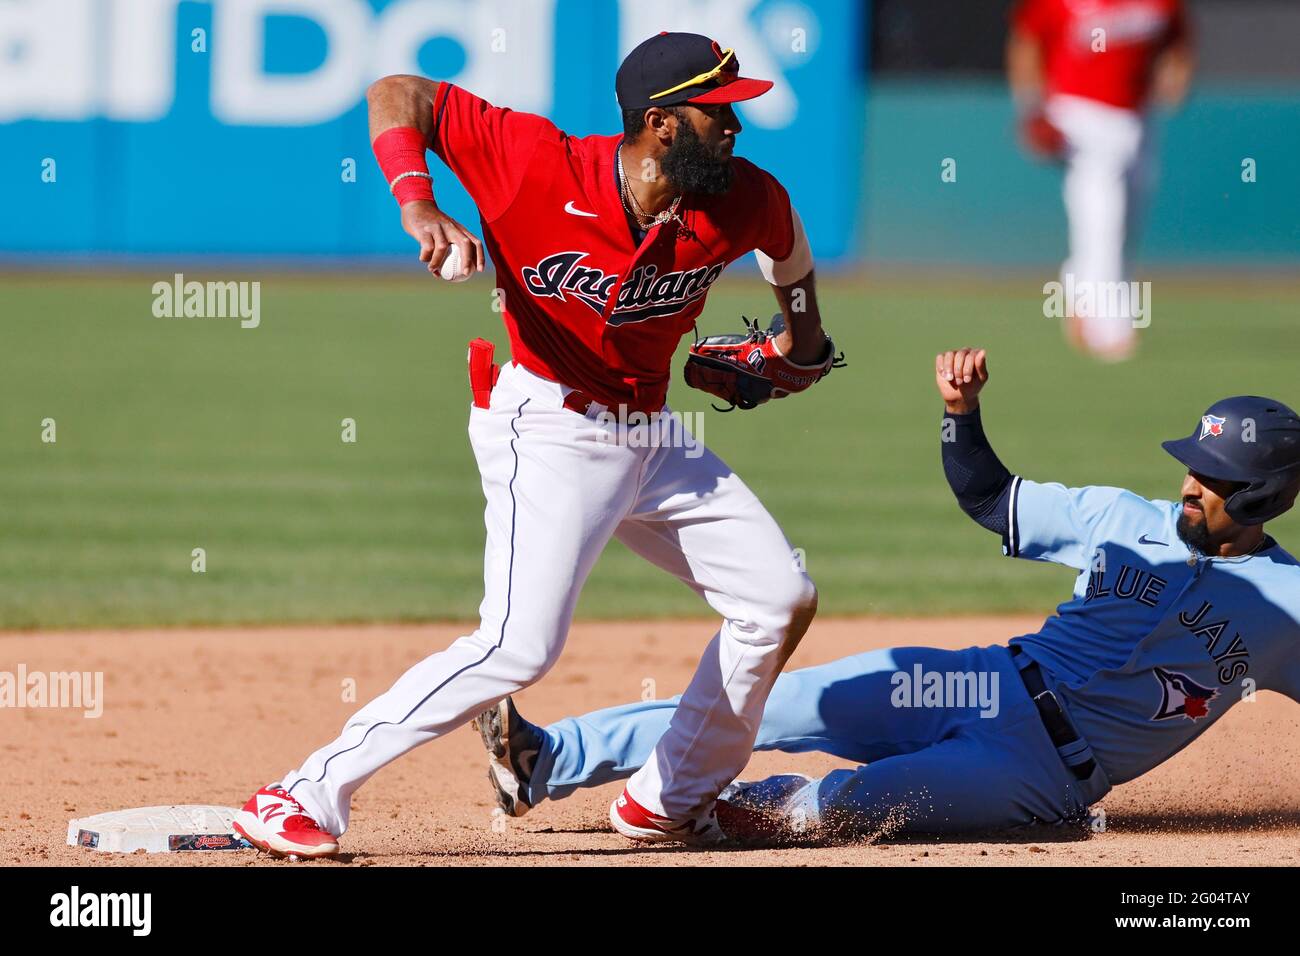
(1004, 209)
(229, 127)
(241, 148)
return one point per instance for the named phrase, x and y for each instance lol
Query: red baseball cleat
(277, 823)
(723, 823)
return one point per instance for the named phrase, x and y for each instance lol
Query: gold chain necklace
(643, 218)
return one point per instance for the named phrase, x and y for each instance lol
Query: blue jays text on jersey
(1158, 641)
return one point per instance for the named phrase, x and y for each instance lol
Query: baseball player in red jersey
(605, 248)
(1082, 73)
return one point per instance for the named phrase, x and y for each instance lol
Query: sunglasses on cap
(717, 73)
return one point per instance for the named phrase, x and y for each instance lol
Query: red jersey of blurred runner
(585, 305)
(1135, 33)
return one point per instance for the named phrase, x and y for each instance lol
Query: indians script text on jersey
(585, 304)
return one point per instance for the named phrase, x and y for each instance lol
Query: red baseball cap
(675, 68)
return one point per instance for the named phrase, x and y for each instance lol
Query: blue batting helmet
(1252, 441)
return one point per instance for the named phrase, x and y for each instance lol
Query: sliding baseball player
(1180, 609)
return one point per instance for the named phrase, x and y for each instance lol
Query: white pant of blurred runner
(1108, 176)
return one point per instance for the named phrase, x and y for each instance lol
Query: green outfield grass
(182, 433)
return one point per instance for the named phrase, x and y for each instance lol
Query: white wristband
(397, 179)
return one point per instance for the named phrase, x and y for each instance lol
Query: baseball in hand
(453, 265)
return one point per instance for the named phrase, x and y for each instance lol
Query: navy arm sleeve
(980, 481)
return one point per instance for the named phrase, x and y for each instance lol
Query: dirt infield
(207, 716)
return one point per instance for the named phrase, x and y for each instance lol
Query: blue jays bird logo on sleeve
(1180, 696)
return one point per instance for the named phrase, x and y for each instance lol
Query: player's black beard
(1195, 535)
(692, 167)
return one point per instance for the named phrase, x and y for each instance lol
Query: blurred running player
(1083, 73)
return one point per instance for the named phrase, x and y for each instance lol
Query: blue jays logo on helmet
(1180, 696)
(1211, 426)
(1256, 446)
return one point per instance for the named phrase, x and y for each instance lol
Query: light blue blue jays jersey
(1158, 641)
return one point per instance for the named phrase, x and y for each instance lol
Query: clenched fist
(436, 232)
(961, 375)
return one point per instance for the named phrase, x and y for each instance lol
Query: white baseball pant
(1108, 175)
(559, 485)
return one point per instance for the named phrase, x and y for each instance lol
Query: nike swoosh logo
(1145, 540)
(573, 210)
